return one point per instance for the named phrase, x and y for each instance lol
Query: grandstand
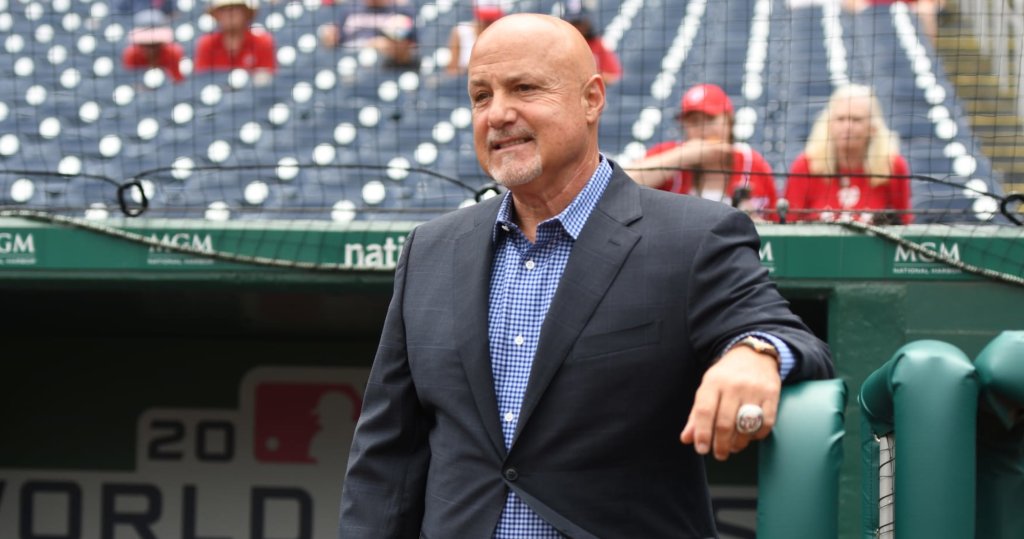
(338, 128)
(207, 237)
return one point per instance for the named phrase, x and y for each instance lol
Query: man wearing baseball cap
(708, 163)
(151, 45)
(235, 45)
(463, 36)
(607, 61)
(387, 26)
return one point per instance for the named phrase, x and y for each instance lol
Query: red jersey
(169, 58)
(838, 198)
(750, 170)
(607, 61)
(257, 52)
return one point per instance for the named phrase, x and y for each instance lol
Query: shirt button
(505, 228)
(511, 474)
(519, 340)
(530, 264)
(509, 416)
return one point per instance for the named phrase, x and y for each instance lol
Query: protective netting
(346, 135)
(886, 487)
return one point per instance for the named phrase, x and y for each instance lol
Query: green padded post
(928, 393)
(1001, 438)
(798, 466)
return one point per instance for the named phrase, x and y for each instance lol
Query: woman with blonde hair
(851, 168)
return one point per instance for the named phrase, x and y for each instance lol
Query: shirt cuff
(787, 361)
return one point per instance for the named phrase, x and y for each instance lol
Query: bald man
(555, 362)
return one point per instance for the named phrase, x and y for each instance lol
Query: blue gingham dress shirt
(524, 277)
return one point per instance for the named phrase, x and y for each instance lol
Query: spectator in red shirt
(235, 45)
(463, 36)
(388, 26)
(846, 170)
(607, 61)
(151, 45)
(708, 163)
(927, 11)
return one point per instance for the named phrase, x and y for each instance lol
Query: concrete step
(991, 109)
(981, 91)
(983, 80)
(998, 135)
(1002, 141)
(967, 64)
(1009, 166)
(981, 107)
(1007, 148)
(1011, 183)
(997, 120)
(956, 44)
(963, 37)
(1004, 151)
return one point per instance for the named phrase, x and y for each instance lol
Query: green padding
(798, 483)
(1000, 480)
(1001, 371)
(928, 393)
(1001, 438)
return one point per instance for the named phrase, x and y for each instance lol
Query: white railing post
(1001, 43)
(1017, 34)
(998, 25)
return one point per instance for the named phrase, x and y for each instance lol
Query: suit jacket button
(511, 474)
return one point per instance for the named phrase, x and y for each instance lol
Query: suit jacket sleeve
(731, 294)
(383, 493)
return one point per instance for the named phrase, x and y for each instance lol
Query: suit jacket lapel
(597, 255)
(472, 262)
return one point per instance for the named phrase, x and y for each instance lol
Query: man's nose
(501, 111)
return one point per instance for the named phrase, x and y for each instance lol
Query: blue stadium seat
(796, 86)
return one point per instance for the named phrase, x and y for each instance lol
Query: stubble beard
(512, 173)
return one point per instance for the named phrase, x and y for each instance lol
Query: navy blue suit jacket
(656, 285)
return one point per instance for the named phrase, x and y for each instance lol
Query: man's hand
(710, 154)
(741, 376)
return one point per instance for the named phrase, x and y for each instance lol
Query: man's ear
(593, 98)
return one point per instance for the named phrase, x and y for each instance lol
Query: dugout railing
(799, 464)
(960, 466)
(1000, 448)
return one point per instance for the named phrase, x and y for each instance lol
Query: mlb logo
(304, 423)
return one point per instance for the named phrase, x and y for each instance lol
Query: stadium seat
(414, 108)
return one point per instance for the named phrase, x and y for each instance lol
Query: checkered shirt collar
(573, 217)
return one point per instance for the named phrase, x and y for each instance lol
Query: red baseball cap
(706, 98)
(488, 13)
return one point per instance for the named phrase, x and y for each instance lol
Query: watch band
(759, 345)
